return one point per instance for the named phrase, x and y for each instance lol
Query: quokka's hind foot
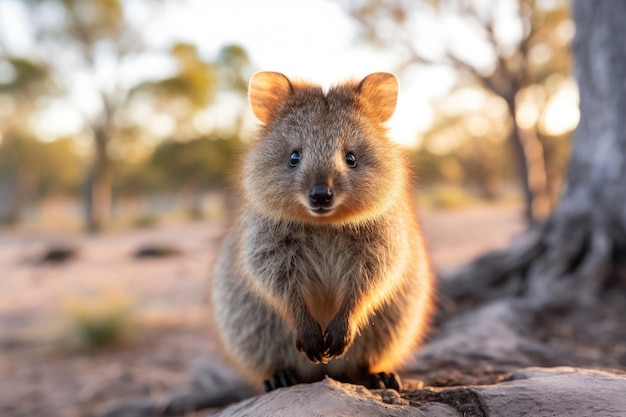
(382, 380)
(279, 380)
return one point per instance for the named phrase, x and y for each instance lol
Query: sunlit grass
(100, 320)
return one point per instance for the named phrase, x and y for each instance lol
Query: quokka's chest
(322, 255)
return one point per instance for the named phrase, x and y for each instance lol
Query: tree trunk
(597, 170)
(532, 172)
(26, 181)
(573, 256)
(99, 186)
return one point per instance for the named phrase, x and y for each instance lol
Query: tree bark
(597, 168)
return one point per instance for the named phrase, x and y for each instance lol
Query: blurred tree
(522, 52)
(474, 138)
(87, 50)
(24, 81)
(194, 166)
(180, 97)
(193, 159)
(80, 36)
(233, 65)
(577, 256)
(60, 167)
(186, 95)
(234, 72)
(97, 41)
(39, 169)
(18, 167)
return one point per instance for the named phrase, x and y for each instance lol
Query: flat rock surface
(560, 391)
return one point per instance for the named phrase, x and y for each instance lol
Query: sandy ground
(42, 374)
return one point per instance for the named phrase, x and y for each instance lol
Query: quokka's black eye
(351, 160)
(294, 159)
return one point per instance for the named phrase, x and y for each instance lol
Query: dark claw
(337, 338)
(279, 380)
(315, 353)
(311, 341)
(335, 346)
(383, 380)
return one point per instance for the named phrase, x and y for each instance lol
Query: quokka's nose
(321, 195)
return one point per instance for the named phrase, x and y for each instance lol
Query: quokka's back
(325, 270)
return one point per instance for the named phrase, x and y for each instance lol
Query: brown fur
(351, 289)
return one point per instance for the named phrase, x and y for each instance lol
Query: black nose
(321, 195)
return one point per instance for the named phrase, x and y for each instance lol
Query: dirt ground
(43, 374)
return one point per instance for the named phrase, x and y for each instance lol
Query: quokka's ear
(378, 92)
(267, 90)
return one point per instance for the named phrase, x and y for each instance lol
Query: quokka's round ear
(267, 90)
(379, 94)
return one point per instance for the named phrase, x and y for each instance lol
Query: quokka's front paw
(310, 340)
(338, 337)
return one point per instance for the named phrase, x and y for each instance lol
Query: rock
(562, 391)
(330, 398)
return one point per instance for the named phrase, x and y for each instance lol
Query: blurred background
(123, 113)
(120, 120)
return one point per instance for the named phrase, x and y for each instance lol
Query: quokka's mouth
(321, 211)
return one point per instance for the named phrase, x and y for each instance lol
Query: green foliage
(27, 76)
(233, 65)
(204, 162)
(194, 82)
(55, 165)
(61, 168)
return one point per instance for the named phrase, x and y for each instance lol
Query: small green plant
(102, 320)
(146, 221)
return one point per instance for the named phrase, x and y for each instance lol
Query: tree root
(568, 259)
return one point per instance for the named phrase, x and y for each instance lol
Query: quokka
(325, 270)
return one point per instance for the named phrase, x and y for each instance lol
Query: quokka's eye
(294, 159)
(351, 160)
